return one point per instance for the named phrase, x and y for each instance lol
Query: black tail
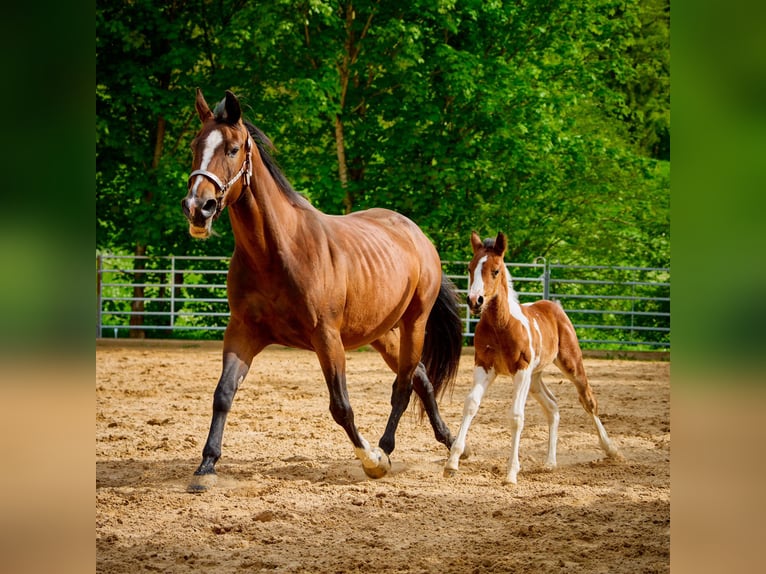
(444, 340)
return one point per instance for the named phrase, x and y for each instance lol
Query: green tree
(546, 120)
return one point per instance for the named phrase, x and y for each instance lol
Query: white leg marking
(521, 383)
(551, 409)
(481, 381)
(606, 443)
(214, 139)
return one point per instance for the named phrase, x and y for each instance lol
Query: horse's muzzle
(198, 211)
(200, 214)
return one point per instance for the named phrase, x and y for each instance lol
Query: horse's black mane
(489, 243)
(263, 143)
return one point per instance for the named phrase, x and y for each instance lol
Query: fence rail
(612, 308)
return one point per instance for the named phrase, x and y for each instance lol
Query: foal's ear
(500, 244)
(203, 110)
(476, 242)
(231, 109)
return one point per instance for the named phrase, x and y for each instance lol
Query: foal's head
(222, 165)
(487, 271)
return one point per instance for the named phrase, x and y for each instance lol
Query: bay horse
(305, 279)
(520, 341)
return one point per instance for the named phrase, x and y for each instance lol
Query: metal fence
(612, 308)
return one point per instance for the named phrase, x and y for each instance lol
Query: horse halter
(222, 188)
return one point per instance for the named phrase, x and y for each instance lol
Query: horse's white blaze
(477, 287)
(213, 141)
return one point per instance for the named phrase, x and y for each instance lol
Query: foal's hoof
(467, 452)
(450, 472)
(201, 483)
(381, 469)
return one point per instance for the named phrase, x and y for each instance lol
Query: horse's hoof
(450, 472)
(615, 455)
(201, 483)
(467, 451)
(381, 469)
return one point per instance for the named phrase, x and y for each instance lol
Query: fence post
(546, 277)
(172, 291)
(99, 269)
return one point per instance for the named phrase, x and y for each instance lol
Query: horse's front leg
(482, 379)
(332, 358)
(236, 362)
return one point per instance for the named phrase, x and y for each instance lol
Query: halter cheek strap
(222, 188)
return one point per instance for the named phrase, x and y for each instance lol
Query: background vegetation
(549, 120)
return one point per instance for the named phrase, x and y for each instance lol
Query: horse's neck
(507, 307)
(264, 220)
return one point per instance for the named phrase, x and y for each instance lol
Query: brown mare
(521, 341)
(305, 279)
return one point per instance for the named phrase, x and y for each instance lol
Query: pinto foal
(521, 341)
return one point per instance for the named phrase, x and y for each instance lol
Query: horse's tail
(444, 340)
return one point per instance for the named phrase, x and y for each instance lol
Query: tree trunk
(137, 305)
(340, 147)
(350, 55)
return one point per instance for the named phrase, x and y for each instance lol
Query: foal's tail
(444, 340)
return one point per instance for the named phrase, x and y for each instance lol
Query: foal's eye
(233, 151)
(495, 272)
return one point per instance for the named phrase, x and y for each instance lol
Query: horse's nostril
(185, 207)
(480, 300)
(209, 208)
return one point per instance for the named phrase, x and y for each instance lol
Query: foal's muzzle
(476, 303)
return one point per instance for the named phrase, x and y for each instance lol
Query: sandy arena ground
(291, 497)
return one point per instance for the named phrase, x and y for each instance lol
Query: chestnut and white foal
(521, 341)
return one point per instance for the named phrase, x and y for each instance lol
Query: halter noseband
(222, 188)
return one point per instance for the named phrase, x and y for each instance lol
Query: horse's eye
(495, 272)
(233, 151)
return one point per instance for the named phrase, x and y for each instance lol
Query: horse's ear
(500, 244)
(203, 110)
(476, 242)
(232, 112)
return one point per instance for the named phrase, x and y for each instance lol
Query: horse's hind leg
(238, 353)
(547, 401)
(425, 392)
(388, 347)
(332, 358)
(482, 379)
(571, 366)
(410, 348)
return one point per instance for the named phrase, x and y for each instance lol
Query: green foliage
(546, 120)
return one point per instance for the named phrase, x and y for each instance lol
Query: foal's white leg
(481, 381)
(521, 383)
(551, 409)
(606, 444)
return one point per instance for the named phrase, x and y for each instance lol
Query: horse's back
(557, 330)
